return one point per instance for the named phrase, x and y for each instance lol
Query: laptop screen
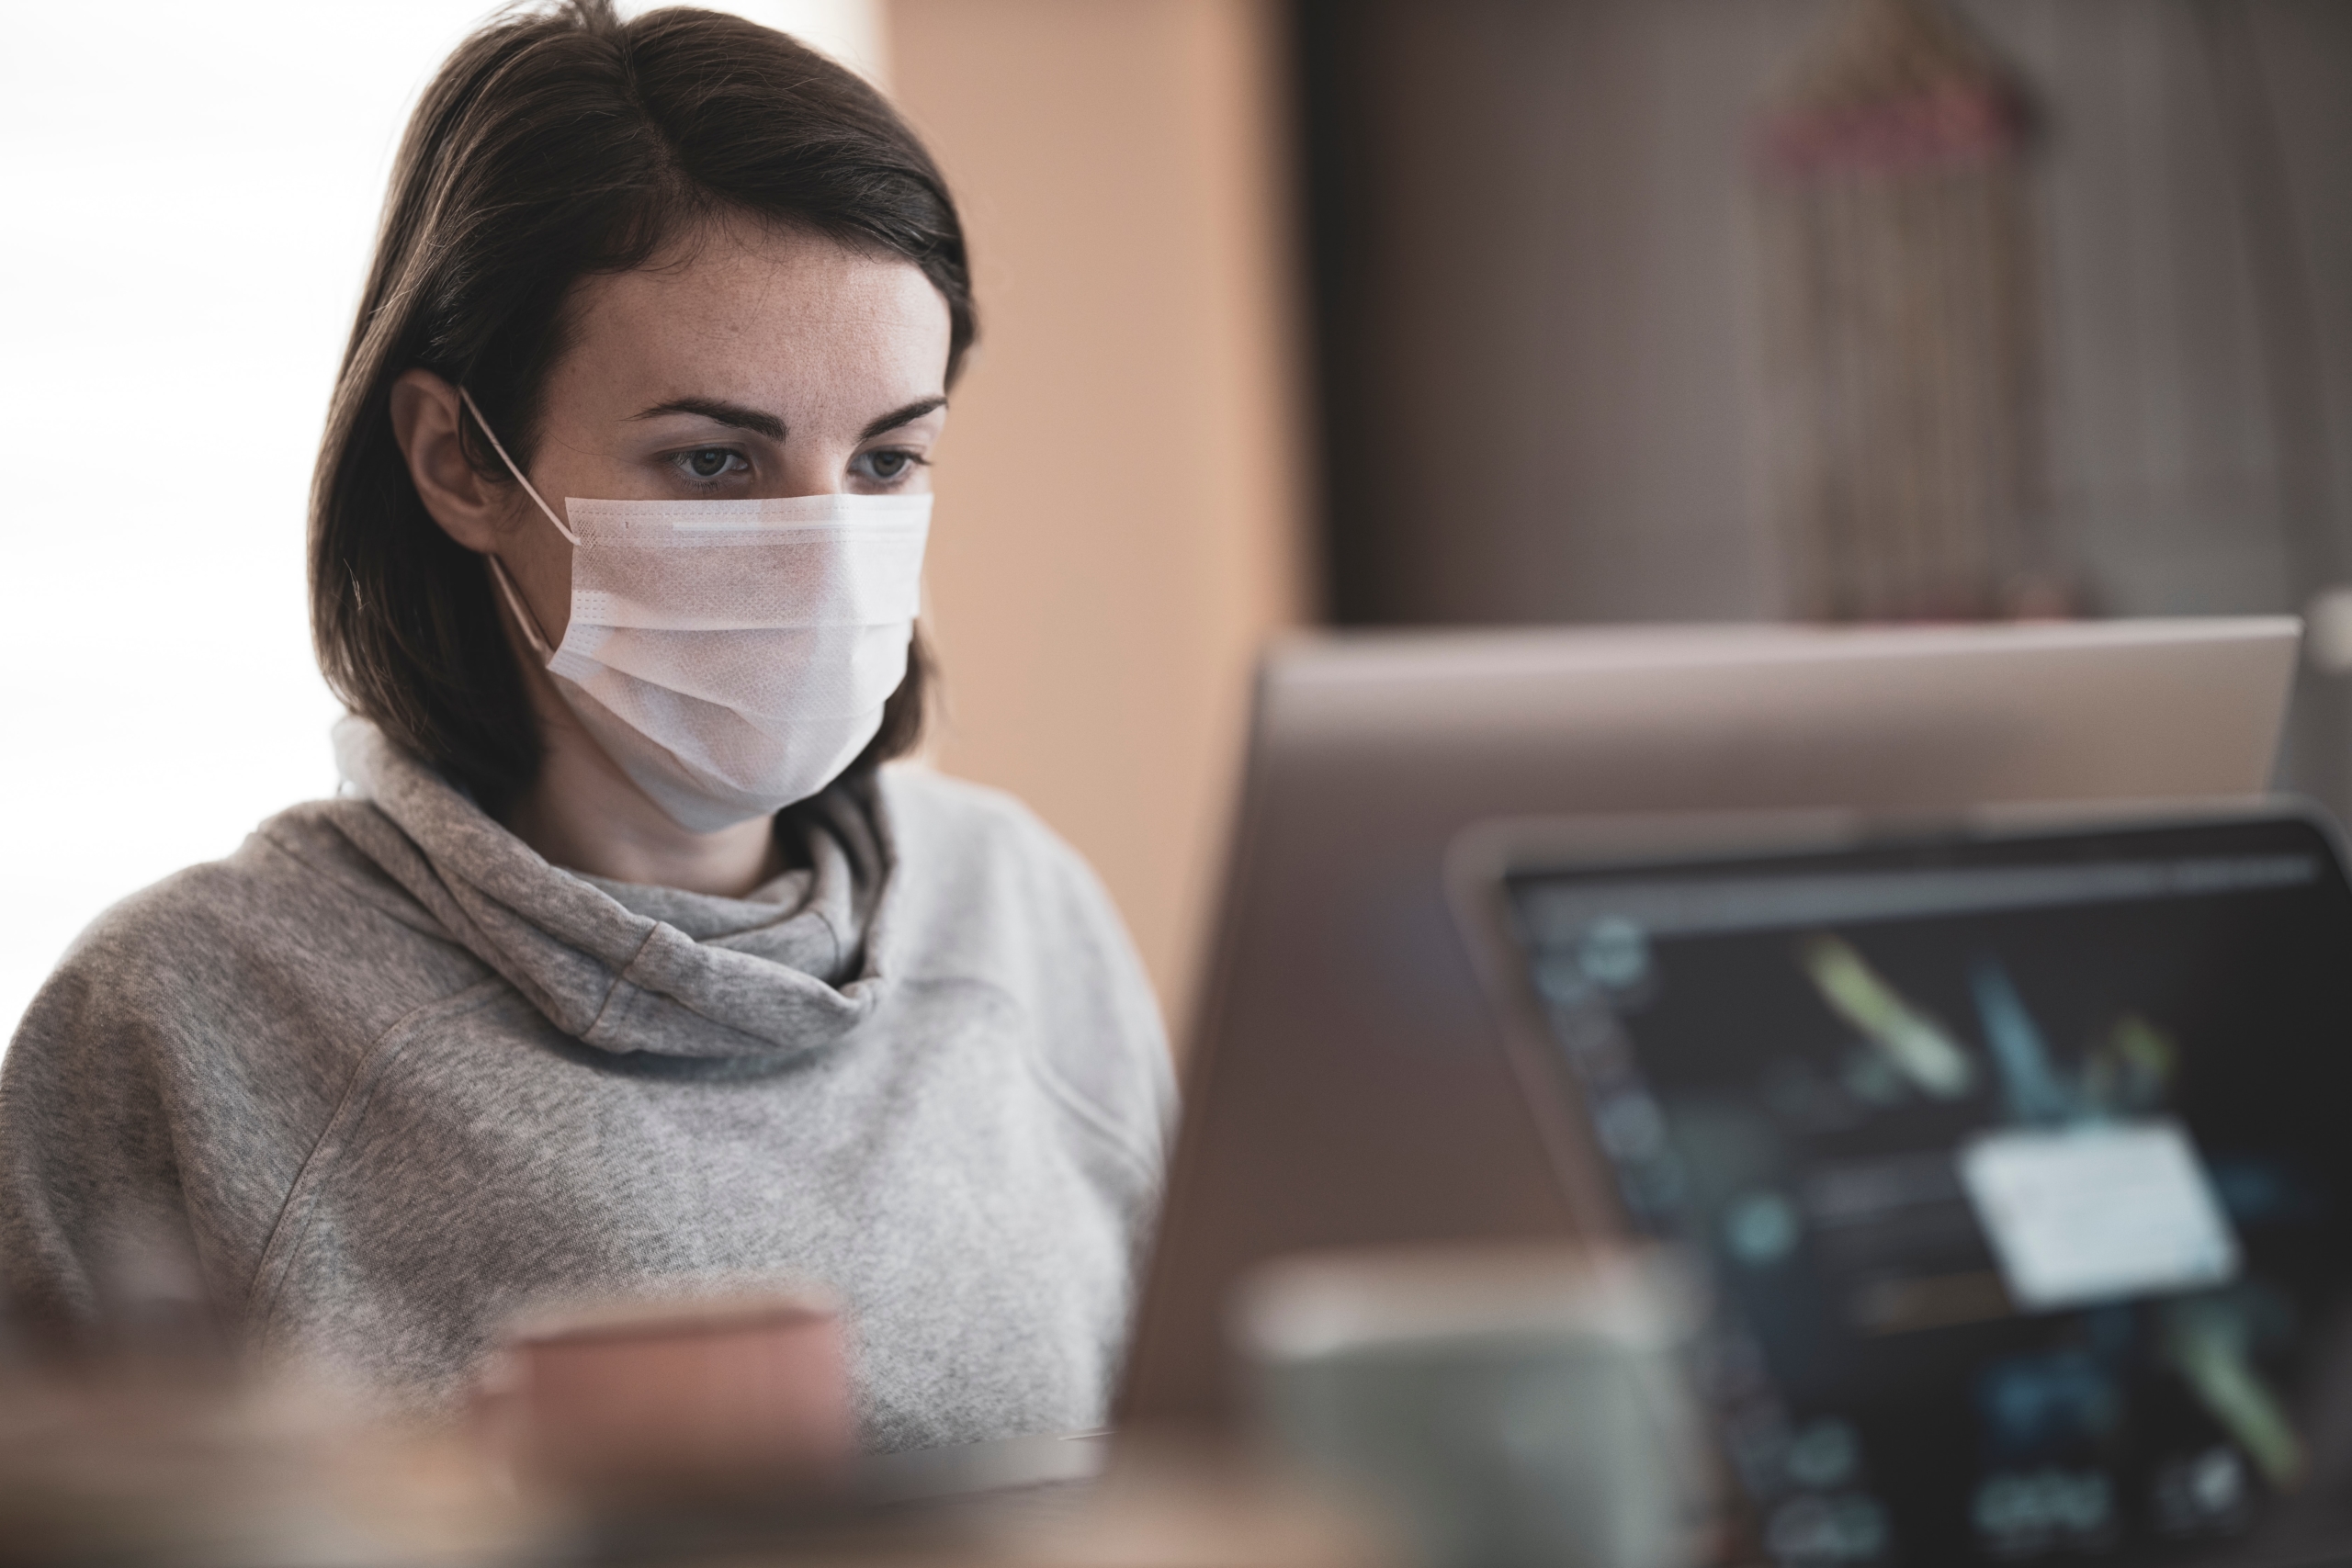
(2021, 1169)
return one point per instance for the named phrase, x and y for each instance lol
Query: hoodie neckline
(796, 967)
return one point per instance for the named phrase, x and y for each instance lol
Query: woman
(622, 965)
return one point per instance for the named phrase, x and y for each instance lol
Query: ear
(425, 414)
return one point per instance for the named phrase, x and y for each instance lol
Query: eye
(886, 465)
(708, 463)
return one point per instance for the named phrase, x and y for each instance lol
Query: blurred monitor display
(2019, 1164)
(1347, 1085)
(1346, 1080)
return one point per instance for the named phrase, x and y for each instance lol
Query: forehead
(744, 309)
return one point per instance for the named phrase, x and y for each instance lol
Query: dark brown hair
(554, 144)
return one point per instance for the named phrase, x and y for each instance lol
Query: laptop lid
(1345, 1085)
(2016, 1156)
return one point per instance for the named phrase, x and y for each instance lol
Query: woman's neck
(583, 814)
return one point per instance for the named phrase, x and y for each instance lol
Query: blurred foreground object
(1899, 331)
(1155, 1504)
(742, 1395)
(1513, 1406)
(142, 1437)
(140, 1465)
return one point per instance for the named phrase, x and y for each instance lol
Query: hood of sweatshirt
(792, 967)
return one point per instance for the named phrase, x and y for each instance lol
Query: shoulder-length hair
(554, 144)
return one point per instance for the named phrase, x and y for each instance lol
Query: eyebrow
(897, 417)
(723, 412)
(767, 424)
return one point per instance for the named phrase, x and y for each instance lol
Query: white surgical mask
(731, 656)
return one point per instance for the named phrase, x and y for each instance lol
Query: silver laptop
(1347, 1083)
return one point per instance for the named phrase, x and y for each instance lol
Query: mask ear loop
(523, 616)
(522, 611)
(512, 468)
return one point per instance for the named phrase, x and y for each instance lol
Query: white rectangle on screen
(2094, 1214)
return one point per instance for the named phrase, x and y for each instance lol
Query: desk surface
(138, 1472)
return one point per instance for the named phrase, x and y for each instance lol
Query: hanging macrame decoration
(1899, 327)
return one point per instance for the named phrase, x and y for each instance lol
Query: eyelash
(913, 461)
(738, 463)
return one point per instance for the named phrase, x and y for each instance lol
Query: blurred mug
(739, 1395)
(1503, 1407)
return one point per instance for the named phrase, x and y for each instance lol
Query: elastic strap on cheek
(523, 616)
(510, 467)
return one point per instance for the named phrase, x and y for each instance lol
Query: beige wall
(1122, 486)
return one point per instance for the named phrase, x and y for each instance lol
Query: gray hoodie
(390, 1077)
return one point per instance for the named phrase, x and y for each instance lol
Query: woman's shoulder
(289, 875)
(925, 801)
(991, 893)
(981, 862)
(950, 833)
(190, 921)
(294, 918)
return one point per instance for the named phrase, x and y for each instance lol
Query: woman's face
(758, 363)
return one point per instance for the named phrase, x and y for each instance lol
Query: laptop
(1346, 1083)
(2014, 1154)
